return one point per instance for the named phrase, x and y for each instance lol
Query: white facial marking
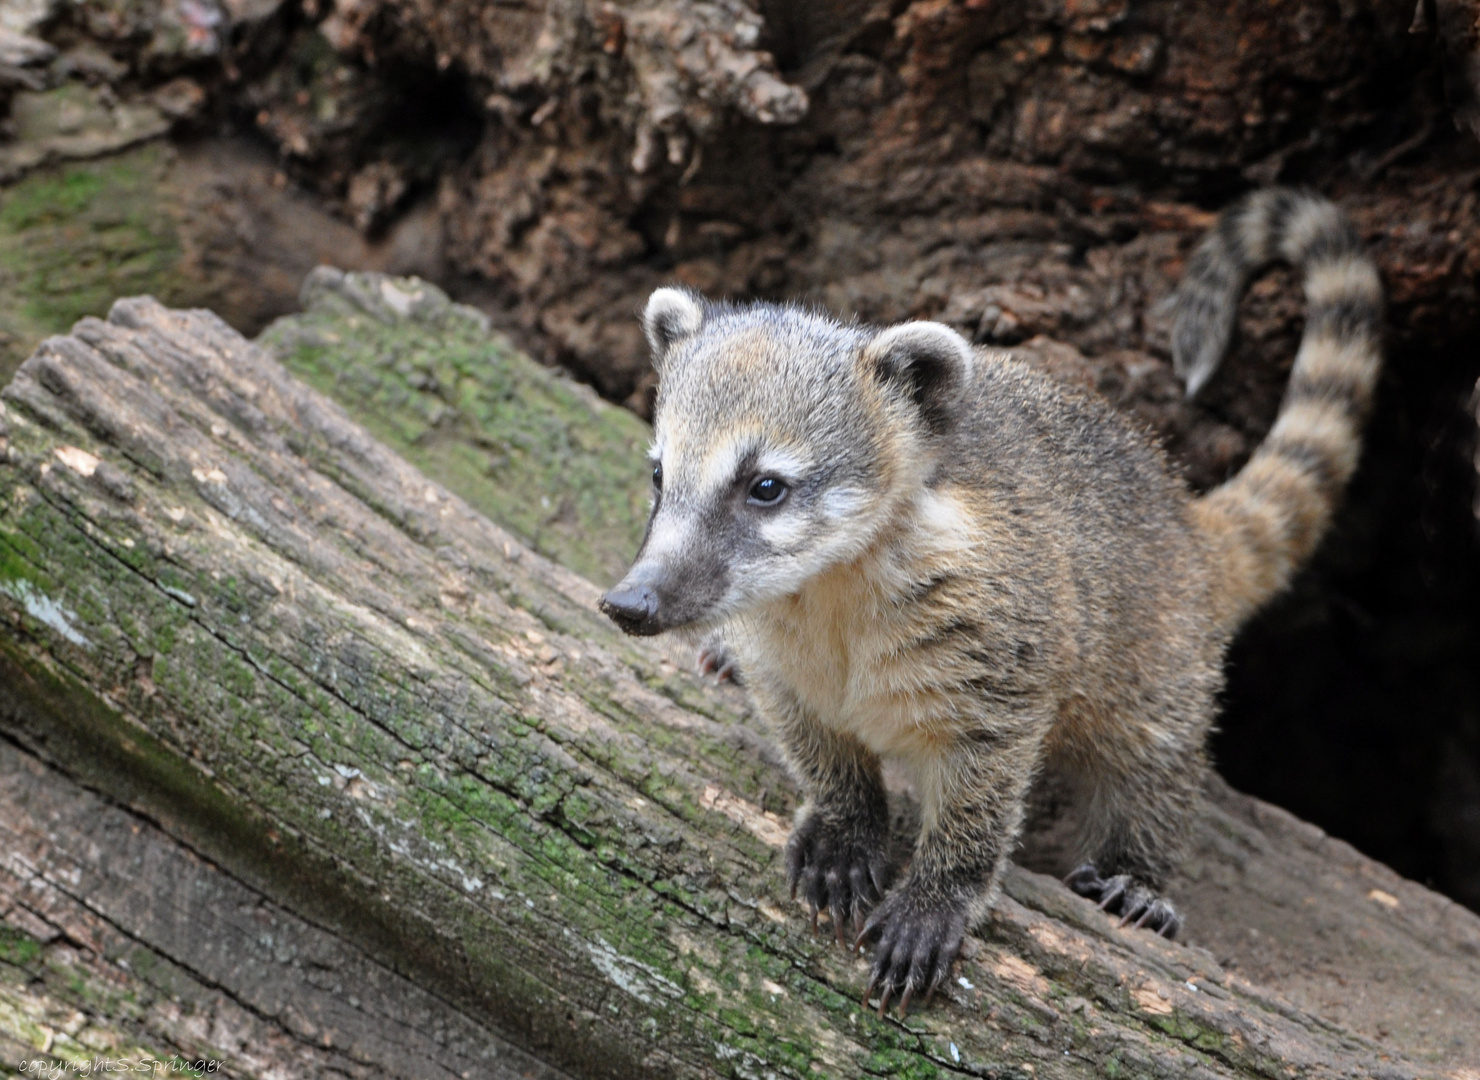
(782, 463)
(783, 531)
(718, 469)
(670, 534)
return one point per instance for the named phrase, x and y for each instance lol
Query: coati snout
(665, 593)
(633, 605)
(679, 577)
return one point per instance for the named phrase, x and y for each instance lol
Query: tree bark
(121, 944)
(229, 607)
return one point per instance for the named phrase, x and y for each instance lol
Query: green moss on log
(73, 237)
(61, 1013)
(541, 455)
(533, 450)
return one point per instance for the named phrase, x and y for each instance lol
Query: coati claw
(917, 938)
(1113, 892)
(1136, 905)
(837, 868)
(715, 658)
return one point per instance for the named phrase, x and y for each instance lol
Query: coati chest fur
(932, 553)
(996, 582)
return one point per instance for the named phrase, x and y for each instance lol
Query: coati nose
(634, 607)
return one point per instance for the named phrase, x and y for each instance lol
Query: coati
(934, 553)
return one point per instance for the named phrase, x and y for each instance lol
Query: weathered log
(225, 604)
(1014, 169)
(123, 945)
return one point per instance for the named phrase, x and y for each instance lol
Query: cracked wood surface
(230, 608)
(125, 943)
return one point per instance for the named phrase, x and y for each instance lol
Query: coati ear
(929, 361)
(671, 315)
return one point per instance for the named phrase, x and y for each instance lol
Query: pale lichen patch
(79, 461)
(767, 827)
(642, 981)
(44, 609)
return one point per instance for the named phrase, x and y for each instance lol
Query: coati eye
(767, 490)
(658, 477)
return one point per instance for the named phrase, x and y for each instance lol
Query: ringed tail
(1265, 521)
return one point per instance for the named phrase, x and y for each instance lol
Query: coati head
(783, 440)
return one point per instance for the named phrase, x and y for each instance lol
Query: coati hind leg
(1143, 781)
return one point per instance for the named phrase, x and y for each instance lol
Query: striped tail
(1264, 522)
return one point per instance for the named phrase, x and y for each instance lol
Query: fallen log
(119, 944)
(227, 606)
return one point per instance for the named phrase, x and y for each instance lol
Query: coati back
(938, 555)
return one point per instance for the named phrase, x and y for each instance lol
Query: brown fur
(977, 572)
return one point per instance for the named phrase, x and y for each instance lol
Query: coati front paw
(842, 868)
(918, 936)
(1121, 895)
(715, 658)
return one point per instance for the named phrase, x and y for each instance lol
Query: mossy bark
(227, 604)
(73, 237)
(123, 951)
(47, 1008)
(533, 450)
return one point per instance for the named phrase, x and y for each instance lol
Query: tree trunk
(120, 943)
(231, 609)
